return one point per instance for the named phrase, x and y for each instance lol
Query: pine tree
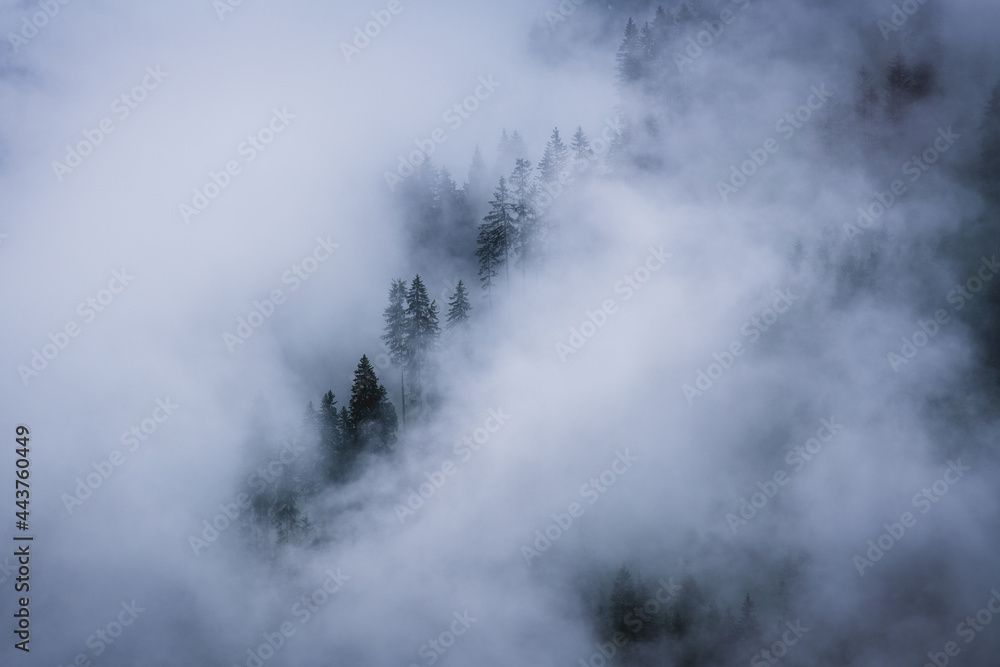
(646, 45)
(749, 627)
(510, 148)
(622, 601)
(422, 331)
(581, 146)
(517, 147)
(331, 437)
(899, 89)
(503, 143)
(554, 159)
(477, 186)
(458, 308)
(629, 55)
(285, 515)
(686, 13)
(371, 417)
(527, 225)
(310, 420)
(395, 337)
(618, 159)
(496, 239)
(660, 31)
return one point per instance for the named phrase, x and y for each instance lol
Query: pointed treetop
(458, 307)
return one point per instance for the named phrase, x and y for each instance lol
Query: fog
(711, 378)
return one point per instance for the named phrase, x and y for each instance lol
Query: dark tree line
(649, 621)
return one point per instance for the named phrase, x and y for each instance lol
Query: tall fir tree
(422, 331)
(458, 308)
(623, 600)
(686, 13)
(528, 235)
(581, 145)
(496, 239)
(371, 417)
(554, 159)
(477, 188)
(331, 436)
(661, 31)
(749, 626)
(395, 337)
(510, 148)
(629, 55)
(899, 89)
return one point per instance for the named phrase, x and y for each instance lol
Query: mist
(723, 392)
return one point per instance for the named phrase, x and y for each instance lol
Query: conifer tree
(458, 308)
(660, 31)
(331, 437)
(371, 417)
(527, 225)
(511, 147)
(749, 627)
(581, 145)
(422, 331)
(554, 159)
(646, 45)
(629, 55)
(496, 238)
(686, 13)
(618, 160)
(286, 516)
(622, 599)
(477, 186)
(395, 337)
(899, 89)
(517, 148)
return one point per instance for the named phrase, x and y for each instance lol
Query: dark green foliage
(422, 332)
(494, 240)
(395, 336)
(527, 232)
(554, 159)
(630, 55)
(371, 418)
(899, 89)
(331, 435)
(458, 308)
(581, 145)
(749, 628)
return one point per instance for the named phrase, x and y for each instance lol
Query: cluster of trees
(412, 331)
(471, 229)
(328, 449)
(645, 55)
(516, 228)
(683, 623)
